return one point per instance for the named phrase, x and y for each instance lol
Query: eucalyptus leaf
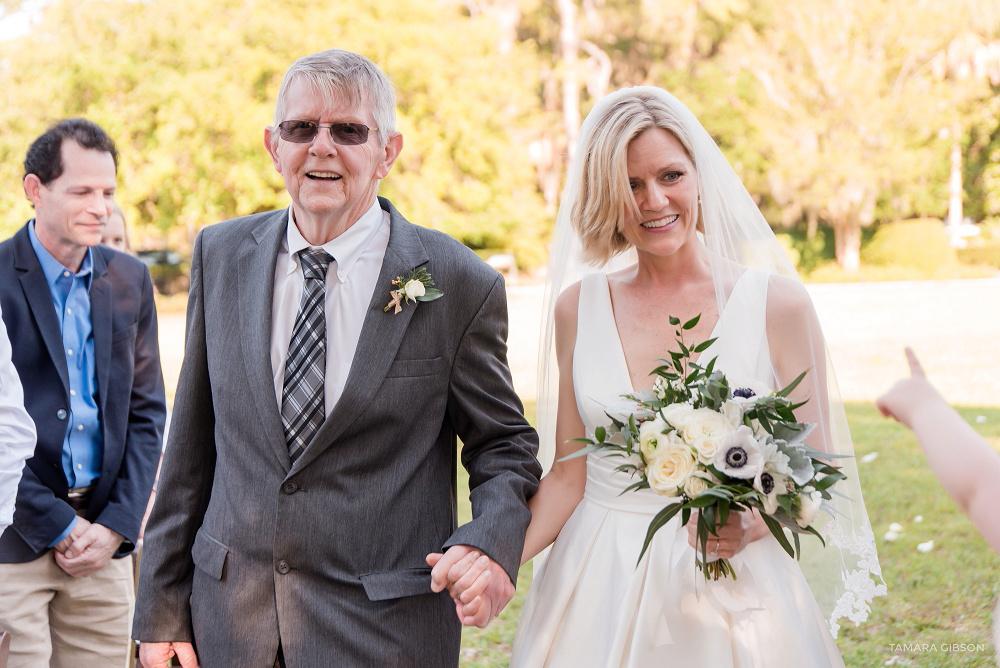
(690, 324)
(582, 452)
(658, 521)
(779, 534)
(785, 391)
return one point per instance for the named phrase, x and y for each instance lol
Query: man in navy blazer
(82, 325)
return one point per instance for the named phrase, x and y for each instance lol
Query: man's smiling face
(331, 185)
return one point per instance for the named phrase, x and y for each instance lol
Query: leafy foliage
(186, 88)
(920, 243)
(842, 114)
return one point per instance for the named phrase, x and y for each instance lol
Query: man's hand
(479, 586)
(91, 548)
(158, 654)
(78, 530)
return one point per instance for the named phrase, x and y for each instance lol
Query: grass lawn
(942, 599)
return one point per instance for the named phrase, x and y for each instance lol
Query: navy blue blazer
(131, 401)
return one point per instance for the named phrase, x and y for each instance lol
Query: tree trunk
(955, 183)
(812, 223)
(569, 50)
(847, 241)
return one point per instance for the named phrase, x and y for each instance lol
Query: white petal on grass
(891, 536)
(870, 457)
(918, 518)
(926, 547)
(895, 528)
(980, 419)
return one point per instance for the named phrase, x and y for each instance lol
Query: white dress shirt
(350, 283)
(17, 431)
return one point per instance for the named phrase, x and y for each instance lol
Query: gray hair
(338, 74)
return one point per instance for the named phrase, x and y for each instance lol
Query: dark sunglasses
(303, 132)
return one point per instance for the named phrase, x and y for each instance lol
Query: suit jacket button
(61, 413)
(290, 487)
(283, 567)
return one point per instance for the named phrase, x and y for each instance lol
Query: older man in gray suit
(312, 457)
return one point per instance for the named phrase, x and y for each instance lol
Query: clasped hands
(477, 584)
(87, 549)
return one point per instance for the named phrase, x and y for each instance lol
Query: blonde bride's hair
(605, 199)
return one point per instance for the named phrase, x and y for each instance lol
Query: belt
(79, 498)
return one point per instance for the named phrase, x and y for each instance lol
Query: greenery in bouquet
(716, 448)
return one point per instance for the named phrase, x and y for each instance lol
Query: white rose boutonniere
(417, 287)
(414, 289)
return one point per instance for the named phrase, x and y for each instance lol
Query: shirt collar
(53, 268)
(346, 248)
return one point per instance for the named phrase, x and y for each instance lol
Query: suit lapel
(36, 292)
(381, 336)
(101, 303)
(256, 285)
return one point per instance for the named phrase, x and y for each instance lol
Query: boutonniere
(418, 287)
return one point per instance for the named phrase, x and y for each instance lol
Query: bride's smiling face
(664, 184)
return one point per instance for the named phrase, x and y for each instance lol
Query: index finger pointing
(916, 370)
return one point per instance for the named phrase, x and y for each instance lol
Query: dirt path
(953, 325)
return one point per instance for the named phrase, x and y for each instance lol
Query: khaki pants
(61, 621)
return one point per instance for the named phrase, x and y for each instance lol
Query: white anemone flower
(740, 455)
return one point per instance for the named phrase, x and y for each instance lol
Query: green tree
(187, 87)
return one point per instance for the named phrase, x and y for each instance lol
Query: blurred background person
(115, 233)
(17, 431)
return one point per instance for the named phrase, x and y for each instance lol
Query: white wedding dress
(590, 605)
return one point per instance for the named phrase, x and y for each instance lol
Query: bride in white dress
(649, 180)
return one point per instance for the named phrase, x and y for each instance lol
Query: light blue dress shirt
(83, 448)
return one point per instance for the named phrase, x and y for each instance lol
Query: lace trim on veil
(862, 584)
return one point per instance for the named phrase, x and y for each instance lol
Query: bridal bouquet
(717, 448)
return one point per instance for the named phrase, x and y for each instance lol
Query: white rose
(694, 486)
(677, 414)
(670, 470)
(705, 430)
(809, 504)
(733, 411)
(651, 437)
(706, 447)
(740, 455)
(414, 289)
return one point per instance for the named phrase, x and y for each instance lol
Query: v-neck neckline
(621, 347)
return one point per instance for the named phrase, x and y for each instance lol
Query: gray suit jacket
(243, 549)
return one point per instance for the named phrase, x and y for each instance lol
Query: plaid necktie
(302, 409)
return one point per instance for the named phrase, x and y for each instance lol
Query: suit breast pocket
(415, 368)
